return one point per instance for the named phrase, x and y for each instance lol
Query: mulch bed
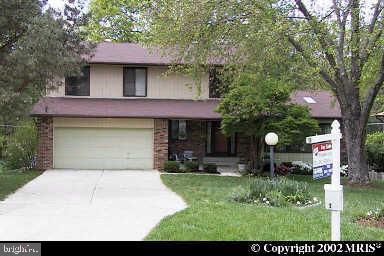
(354, 185)
(371, 222)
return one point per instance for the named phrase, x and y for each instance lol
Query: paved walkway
(87, 205)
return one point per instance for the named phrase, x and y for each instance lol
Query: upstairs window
(214, 84)
(218, 84)
(135, 82)
(178, 129)
(78, 85)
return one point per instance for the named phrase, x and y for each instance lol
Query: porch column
(160, 151)
(45, 143)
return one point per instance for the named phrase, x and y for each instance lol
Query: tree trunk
(256, 153)
(260, 163)
(355, 135)
(252, 153)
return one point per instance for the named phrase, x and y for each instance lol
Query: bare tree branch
(308, 59)
(341, 18)
(355, 42)
(376, 13)
(326, 16)
(370, 40)
(314, 23)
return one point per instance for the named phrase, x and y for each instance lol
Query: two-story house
(124, 112)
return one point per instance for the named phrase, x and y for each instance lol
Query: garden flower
(267, 202)
(264, 199)
(298, 203)
(315, 199)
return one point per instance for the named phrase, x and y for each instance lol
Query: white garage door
(103, 148)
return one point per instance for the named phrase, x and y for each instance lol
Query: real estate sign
(322, 159)
(326, 162)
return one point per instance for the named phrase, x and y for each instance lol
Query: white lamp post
(271, 139)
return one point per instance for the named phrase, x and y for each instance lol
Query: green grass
(10, 181)
(211, 215)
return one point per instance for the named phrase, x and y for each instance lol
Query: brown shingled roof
(325, 107)
(136, 54)
(134, 108)
(127, 53)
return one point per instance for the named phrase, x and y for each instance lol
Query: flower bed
(295, 167)
(373, 218)
(278, 192)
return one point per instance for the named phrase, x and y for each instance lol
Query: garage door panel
(101, 163)
(103, 148)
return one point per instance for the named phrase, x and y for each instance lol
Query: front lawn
(10, 181)
(212, 216)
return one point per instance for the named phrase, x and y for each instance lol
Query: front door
(217, 143)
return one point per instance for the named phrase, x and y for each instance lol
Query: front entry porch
(205, 140)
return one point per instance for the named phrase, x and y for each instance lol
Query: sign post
(326, 162)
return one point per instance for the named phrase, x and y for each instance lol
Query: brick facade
(196, 136)
(160, 151)
(45, 143)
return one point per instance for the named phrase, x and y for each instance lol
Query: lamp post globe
(271, 139)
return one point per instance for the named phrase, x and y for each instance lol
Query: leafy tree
(375, 150)
(341, 45)
(37, 45)
(115, 20)
(255, 106)
(22, 146)
(378, 105)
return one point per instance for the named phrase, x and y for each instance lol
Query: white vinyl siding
(106, 81)
(170, 85)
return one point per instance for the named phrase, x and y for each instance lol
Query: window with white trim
(135, 82)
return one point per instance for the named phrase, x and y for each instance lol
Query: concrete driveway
(87, 205)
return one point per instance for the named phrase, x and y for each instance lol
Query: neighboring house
(376, 123)
(125, 113)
